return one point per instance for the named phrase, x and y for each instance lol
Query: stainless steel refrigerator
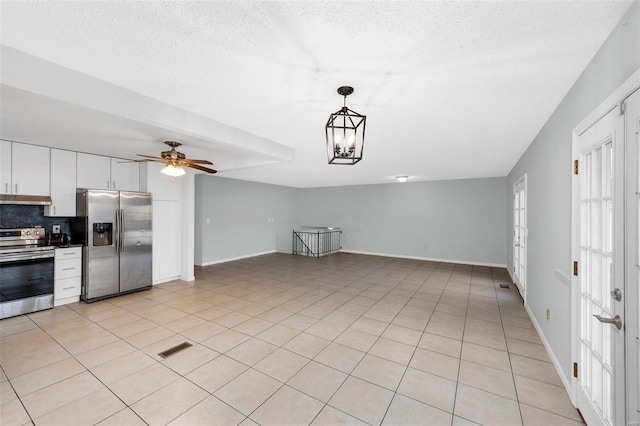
(117, 240)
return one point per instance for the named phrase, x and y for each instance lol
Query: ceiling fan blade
(204, 169)
(188, 160)
(140, 161)
(147, 160)
(149, 156)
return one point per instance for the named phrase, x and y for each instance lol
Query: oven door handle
(18, 257)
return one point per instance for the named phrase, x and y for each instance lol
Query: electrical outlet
(56, 229)
(548, 314)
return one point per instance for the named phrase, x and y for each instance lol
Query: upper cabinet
(125, 175)
(5, 167)
(98, 172)
(63, 184)
(24, 169)
(94, 171)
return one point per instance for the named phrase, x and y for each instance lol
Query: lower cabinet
(67, 275)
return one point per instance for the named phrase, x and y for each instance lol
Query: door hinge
(575, 268)
(622, 108)
(575, 369)
(575, 167)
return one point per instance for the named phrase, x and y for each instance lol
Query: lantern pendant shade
(345, 133)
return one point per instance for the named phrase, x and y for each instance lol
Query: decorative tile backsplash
(17, 216)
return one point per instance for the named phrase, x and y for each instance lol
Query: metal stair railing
(316, 241)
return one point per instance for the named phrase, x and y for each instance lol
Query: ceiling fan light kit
(345, 133)
(172, 170)
(402, 178)
(174, 161)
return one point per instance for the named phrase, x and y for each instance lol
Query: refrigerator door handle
(116, 232)
(122, 230)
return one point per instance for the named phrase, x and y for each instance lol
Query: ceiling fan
(175, 160)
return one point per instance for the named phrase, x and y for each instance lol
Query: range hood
(28, 200)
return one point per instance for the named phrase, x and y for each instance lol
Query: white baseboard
(165, 280)
(565, 380)
(230, 259)
(430, 259)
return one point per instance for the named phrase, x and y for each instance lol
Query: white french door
(600, 192)
(632, 105)
(520, 234)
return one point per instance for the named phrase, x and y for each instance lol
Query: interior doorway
(520, 234)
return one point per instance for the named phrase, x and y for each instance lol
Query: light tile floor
(289, 340)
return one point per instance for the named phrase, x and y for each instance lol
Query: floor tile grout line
(513, 378)
(455, 394)
(374, 283)
(395, 392)
(85, 370)
(17, 396)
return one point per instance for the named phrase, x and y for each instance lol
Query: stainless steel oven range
(26, 271)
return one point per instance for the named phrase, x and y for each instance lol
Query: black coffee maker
(59, 239)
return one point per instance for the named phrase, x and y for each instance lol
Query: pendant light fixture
(345, 133)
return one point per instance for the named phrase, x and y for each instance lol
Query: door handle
(617, 321)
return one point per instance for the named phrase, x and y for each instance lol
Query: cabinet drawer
(68, 287)
(68, 253)
(67, 268)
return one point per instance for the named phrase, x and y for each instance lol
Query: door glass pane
(596, 256)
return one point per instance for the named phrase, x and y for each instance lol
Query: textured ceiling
(450, 89)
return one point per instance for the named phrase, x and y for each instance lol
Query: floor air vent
(175, 349)
(504, 285)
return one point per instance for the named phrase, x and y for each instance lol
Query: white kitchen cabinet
(67, 275)
(167, 251)
(99, 172)
(5, 167)
(25, 169)
(63, 184)
(125, 175)
(167, 221)
(94, 171)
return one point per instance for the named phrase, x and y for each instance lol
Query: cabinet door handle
(16, 188)
(68, 288)
(68, 269)
(108, 184)
(114, 185)
(54, 210)
(6, 188)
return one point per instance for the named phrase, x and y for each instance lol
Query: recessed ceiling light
(402, 178)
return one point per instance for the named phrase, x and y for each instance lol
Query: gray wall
(238, 213)
(459, 220)
(547, 163)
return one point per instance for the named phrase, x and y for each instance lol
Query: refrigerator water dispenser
(102, 234)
